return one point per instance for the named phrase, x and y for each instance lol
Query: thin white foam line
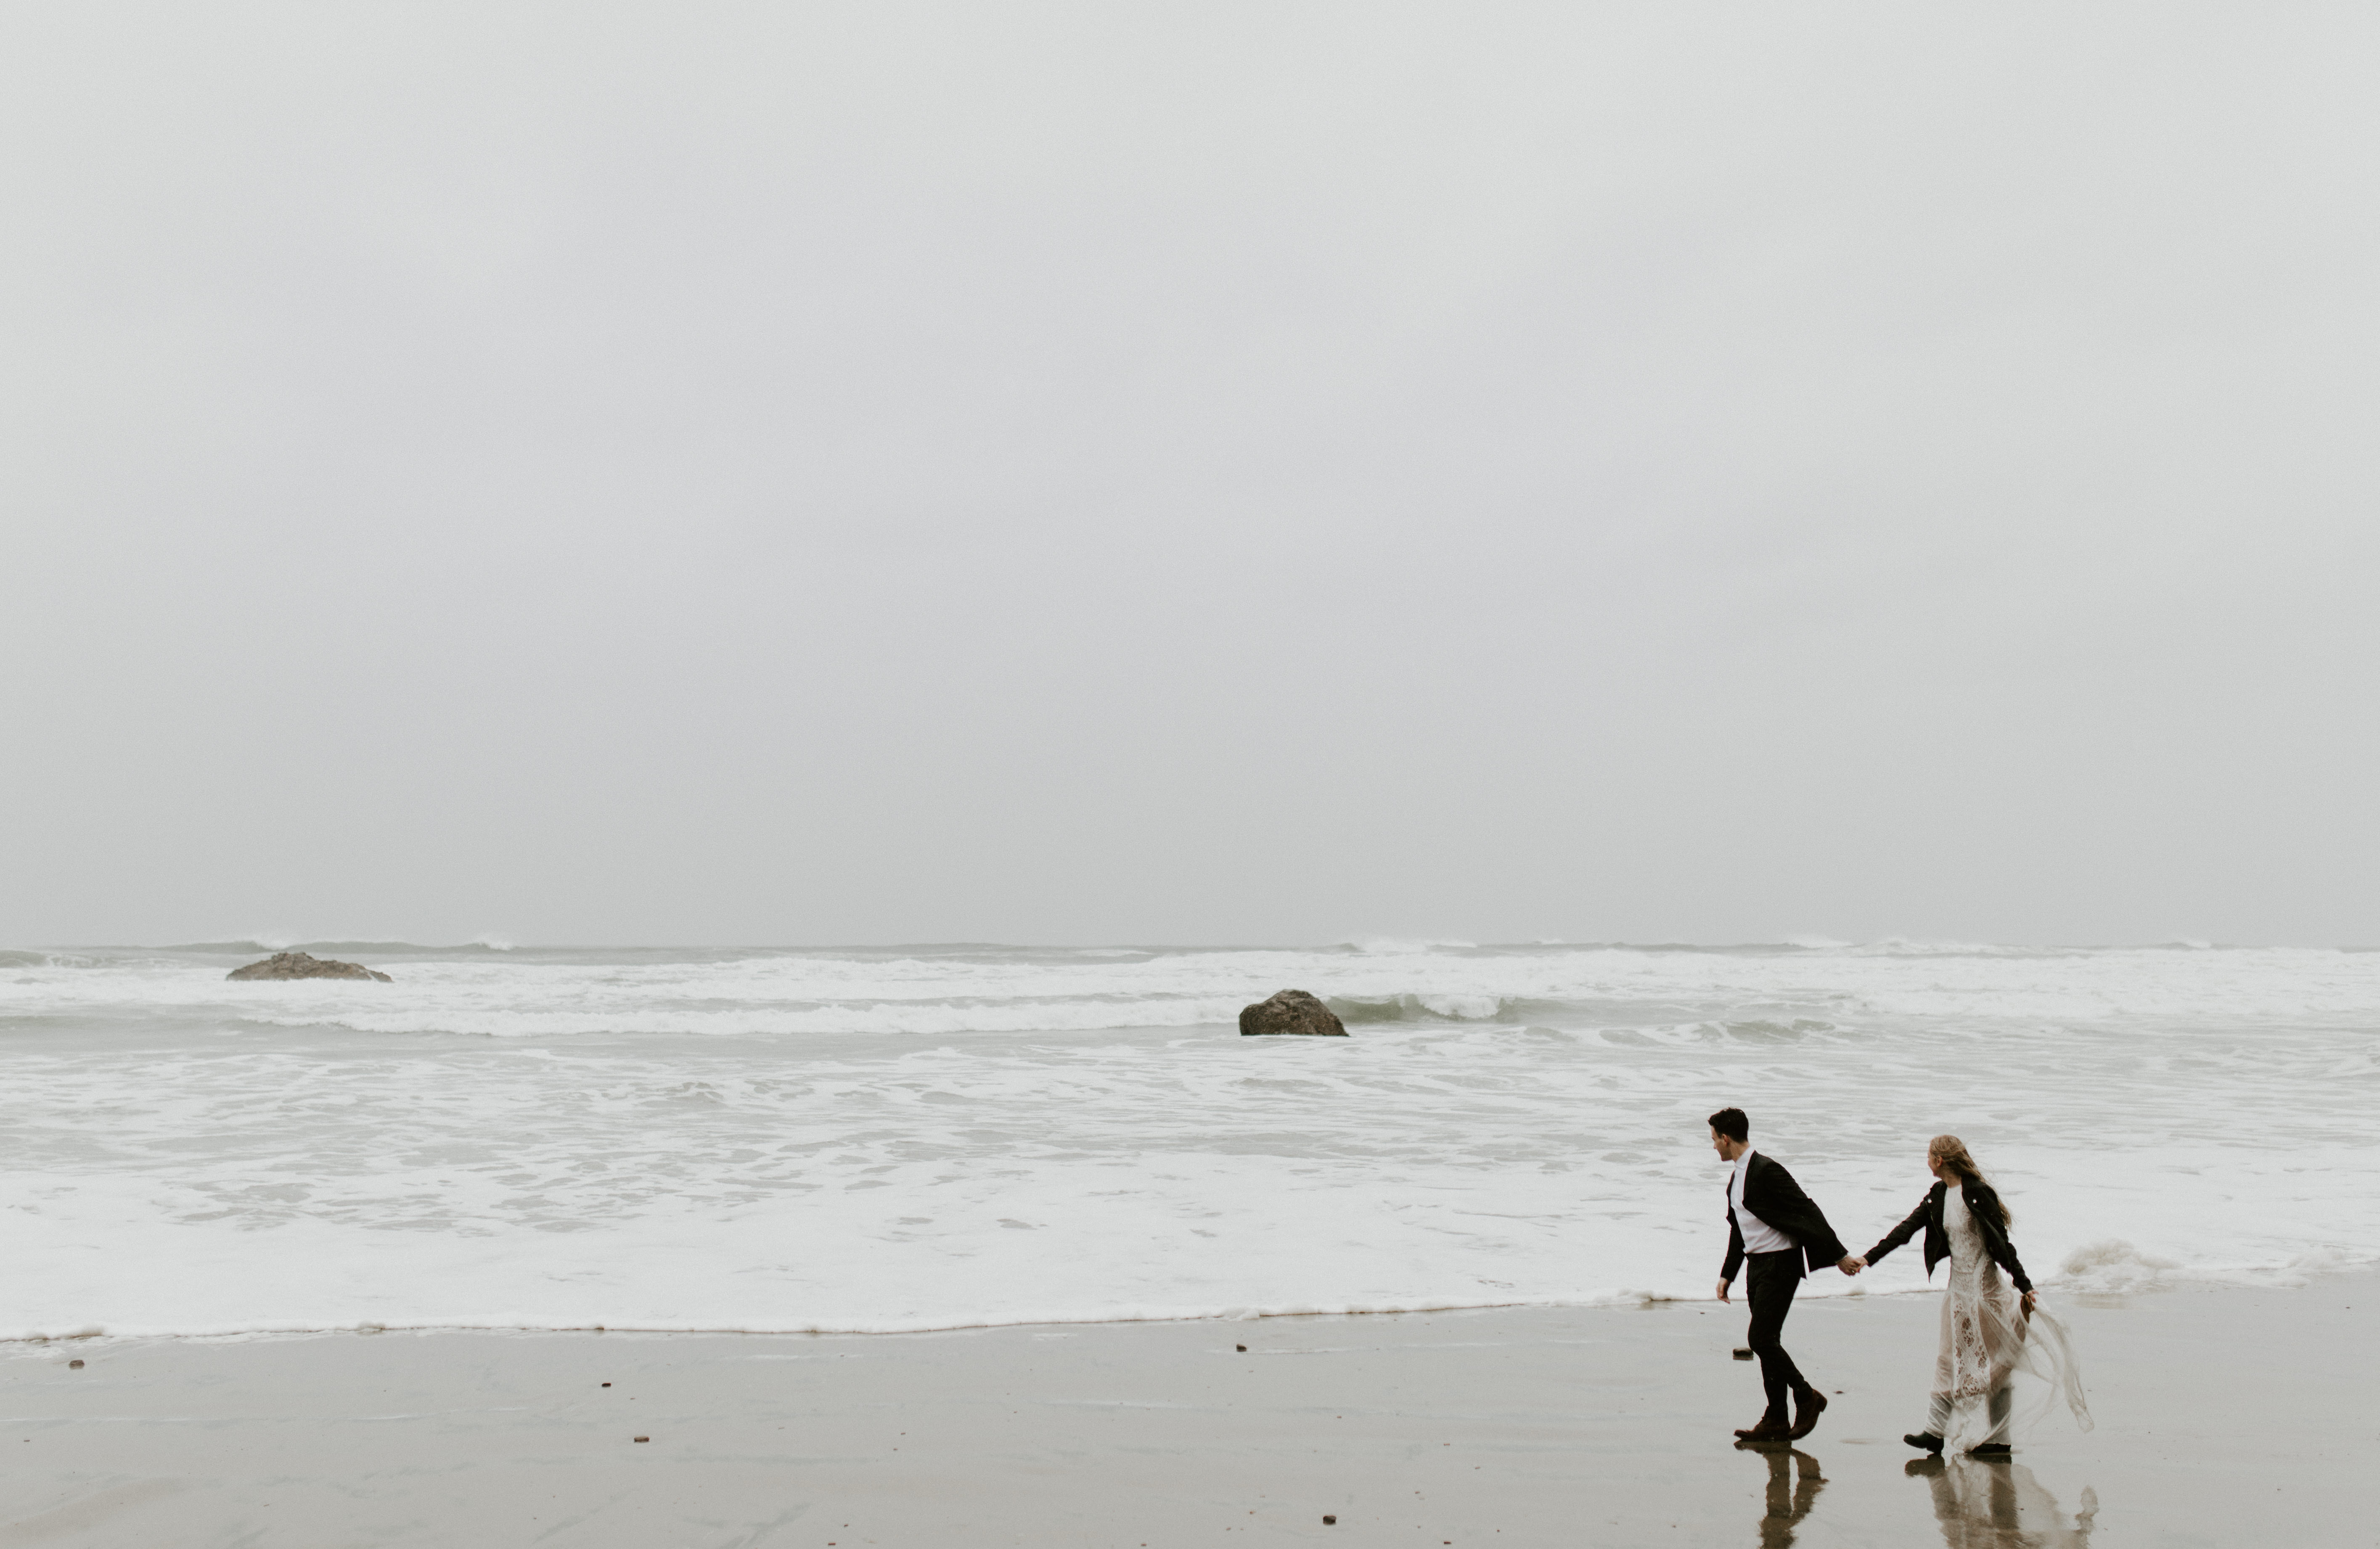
(1622, 1300)
(302, 1331)
(218, 1418)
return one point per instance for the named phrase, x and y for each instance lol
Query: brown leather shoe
(1767, 1431)
(1808, 1405)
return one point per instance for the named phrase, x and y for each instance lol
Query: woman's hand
(1722, 1290)
(2030, 1297)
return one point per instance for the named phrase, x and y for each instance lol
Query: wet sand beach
(2225, 1417)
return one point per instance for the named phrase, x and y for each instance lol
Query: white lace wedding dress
(1986, 1339)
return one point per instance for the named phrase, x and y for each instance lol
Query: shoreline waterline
(1619, 1302)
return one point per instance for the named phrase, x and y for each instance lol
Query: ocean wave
(913, 1017)
(1360, 1010)
(1767, 1030)
(2112, 1264)
(14, 958)
(1858, 992)
(250, 945)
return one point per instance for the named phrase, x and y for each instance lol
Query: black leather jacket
(1982, 1203)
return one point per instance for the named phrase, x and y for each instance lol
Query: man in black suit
(1772, 1230)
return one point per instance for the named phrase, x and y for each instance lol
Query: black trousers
(1769, 1282)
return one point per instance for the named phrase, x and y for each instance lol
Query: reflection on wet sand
(1789, 1500)
(1998, 1505)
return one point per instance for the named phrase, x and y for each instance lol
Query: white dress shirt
(1759, 1237)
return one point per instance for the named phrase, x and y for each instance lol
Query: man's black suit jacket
(1770, 1193)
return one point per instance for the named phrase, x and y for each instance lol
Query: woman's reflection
(1996, 1504)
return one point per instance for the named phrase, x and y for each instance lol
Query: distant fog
(1211, 474)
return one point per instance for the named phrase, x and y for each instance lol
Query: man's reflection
(1996, 1504)
(1789, 1499)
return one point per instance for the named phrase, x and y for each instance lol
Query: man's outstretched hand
(1722, 1290)
(1852, 1263)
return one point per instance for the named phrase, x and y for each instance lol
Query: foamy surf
(956, 1137)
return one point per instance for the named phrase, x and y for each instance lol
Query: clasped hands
(1850, 1264)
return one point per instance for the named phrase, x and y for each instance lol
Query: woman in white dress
(1990, 1331)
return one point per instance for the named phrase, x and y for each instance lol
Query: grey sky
(1095, 472)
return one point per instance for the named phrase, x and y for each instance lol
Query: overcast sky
(1268, 473)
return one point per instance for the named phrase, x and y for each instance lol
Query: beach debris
(640, 1438)
(1290, 1011)
(1242, 1349)
(75, 1365)
(1328, 1520)
(1742, 1353)
(607, 1384)
(306, 966)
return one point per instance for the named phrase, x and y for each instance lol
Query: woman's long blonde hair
(1951, 1152)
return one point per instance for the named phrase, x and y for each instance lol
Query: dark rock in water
(303, 965)
(1292, 1011)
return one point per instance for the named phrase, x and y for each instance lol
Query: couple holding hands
(1989, 1330)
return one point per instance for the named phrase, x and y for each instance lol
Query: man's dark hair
(1731, 1123)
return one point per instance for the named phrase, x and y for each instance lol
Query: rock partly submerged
(1292, 1012)
(305, 965)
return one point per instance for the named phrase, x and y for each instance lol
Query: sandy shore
(2225, 1417)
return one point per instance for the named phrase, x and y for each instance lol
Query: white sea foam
(946, 1137)
(2113, 1264)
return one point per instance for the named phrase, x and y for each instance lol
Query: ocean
(942, 1136)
